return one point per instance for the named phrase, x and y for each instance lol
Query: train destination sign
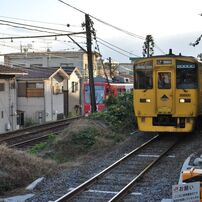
(186, 66)
(164, 62)
(187, 192)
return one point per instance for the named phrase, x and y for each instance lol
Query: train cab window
(99, 94)
(164, 80)
(143, 75)
(186, 75)
(87, 94)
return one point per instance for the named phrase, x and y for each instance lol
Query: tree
(199, 56)
(148, 47)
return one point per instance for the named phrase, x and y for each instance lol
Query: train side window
(164, 80)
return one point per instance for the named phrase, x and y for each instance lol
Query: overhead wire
(113, 26)
(114, 49)
(34, 26)
(16, 26)
(42, 22)
(106, 23)
(104, 41)
(70, 38)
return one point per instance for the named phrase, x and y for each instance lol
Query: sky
(172, 23)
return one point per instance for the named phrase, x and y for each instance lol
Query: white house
(42, 95)
(8, 98)
(74, 90)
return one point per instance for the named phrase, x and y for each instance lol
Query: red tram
(102, 91)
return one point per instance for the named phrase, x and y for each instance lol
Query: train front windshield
(143, 76)
(99, 94)
(186, 75)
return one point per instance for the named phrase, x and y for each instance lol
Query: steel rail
(91, 181)
(33, 132)
(121, 194)
(40, 128)
(28, 141)
(39, 125)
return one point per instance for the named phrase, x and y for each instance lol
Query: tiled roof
(67, 69)
(5, 70)
(41, 73)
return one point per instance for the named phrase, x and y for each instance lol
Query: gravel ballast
(155, 186)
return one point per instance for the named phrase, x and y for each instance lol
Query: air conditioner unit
(57, 90)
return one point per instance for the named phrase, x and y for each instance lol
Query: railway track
(34, 134)
(116, 181)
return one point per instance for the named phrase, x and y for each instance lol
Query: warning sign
(187, 192)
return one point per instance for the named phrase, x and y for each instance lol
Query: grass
(19, 168)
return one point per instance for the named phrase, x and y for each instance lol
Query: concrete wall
(8, 116)
(31, 106)
(74, 97)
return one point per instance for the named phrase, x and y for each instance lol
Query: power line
(116, 47)
(42, 22)
(106, 23)
(159, 48)
(25, 28)
(34, 26)
(113, 26)
(42, 36)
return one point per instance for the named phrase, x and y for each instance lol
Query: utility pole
(90, 63)
(110, 67)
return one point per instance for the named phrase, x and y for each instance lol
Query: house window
(30, 89)
(35, 89)
(74, 87)
(2, 86)
(2, 114)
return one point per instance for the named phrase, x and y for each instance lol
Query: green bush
(119, 112)
(36, 149)
(86, 137)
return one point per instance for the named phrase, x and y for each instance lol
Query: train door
(164, 92)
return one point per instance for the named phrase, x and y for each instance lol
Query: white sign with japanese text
(187, 192)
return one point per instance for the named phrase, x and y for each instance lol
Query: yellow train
(168, 93)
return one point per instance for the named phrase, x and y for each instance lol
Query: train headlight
(182, 100)
(143, 100)
(185, 100)
(148, 100)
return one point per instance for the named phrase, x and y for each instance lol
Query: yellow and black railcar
(167, 93)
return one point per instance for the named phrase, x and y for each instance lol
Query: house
(74, 90)
(42, 95)
(8, 98)
(52, 59)
(75, 94)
